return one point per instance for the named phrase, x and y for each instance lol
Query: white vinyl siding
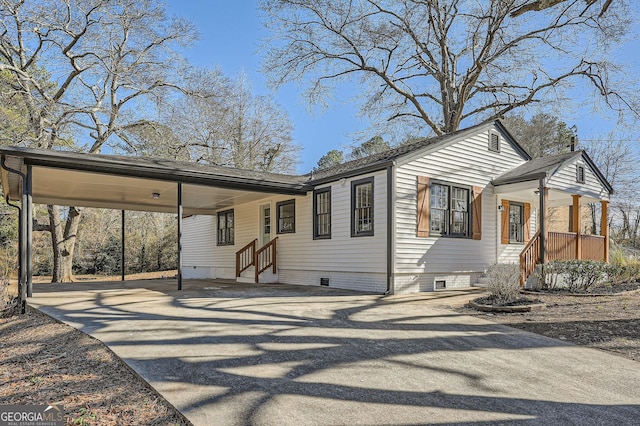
(341, 253)
(565, 179)
(465, 162)
(351, 263)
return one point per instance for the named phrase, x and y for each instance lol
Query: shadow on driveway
(227, 353)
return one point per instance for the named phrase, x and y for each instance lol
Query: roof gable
(406, 151)
(547, 167)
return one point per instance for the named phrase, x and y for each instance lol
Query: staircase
(529, 258)
(257, 265)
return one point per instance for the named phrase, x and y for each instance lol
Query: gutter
(377, 166)
(391, 220)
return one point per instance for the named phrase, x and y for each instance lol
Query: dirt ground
(43, 361)
(610, 323)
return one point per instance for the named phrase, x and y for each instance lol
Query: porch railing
(592, 247)
(266, 257)
(529, 258)
(561, 246)
(245, 257)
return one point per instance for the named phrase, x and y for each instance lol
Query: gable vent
(494, 142)
(579, 174)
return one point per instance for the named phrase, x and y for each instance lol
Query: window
(225, 228)
(516, 223)
(449, 210)
(362, 207)
(579, 173)
(494, 142)
(286, 216)
(322, 213)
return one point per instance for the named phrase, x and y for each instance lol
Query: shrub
(504, 282)
(574, 275)
(623, 269)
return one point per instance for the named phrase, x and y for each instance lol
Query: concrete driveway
(237, 354)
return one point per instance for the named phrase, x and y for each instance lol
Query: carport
(124, 183)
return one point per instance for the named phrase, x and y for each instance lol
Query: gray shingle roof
(545, 166)
(535, 169)
(384, 158)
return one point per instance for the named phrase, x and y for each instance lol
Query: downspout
(22, 290)
(391, 220)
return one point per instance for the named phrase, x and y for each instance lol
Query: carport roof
(111, 181)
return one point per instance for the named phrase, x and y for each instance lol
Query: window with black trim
(516, 222)
(494, 142)
(225, 228)
(322, 213)
(286, 216)
(449, 210)
(362, 207)
(579, 173)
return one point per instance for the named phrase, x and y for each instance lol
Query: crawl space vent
(440, 285)
(324, 281)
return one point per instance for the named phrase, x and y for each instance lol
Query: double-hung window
(225, 228)
(362, 207)
(449, 210)
(286, 217)
(322, 213)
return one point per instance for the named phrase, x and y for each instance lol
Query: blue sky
(230, 34)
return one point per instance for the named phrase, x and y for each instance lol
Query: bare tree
(222, 122)
(617, 159)
(87, 68)
(539, 5)
(438, 63)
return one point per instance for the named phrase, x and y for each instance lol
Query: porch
(560, 185)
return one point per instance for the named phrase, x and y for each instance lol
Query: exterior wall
(565, 179)
(558, 219)
(198, 236)
(510, 253)
(420, 261)
(357, 263)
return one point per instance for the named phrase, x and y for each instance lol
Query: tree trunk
(63, 243)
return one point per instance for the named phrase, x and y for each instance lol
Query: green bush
(504, 282)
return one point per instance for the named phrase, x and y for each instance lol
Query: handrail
(246, 257)
(266, 257)
(529, 258)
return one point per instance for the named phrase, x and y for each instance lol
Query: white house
(425, 216)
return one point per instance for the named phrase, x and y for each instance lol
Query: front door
(265, 224)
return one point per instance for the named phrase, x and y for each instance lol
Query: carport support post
(29, 229)
(543, 221)
(122, 229)
(179, 236)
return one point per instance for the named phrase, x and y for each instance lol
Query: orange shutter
(527, 223)
(505, 222)
(476, 214)
(422, 229)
